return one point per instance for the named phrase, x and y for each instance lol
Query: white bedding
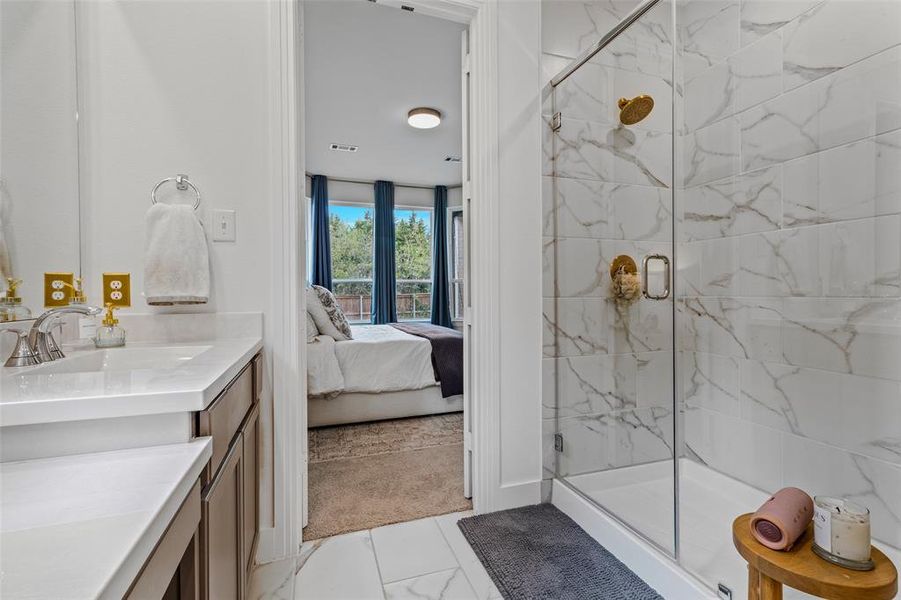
(324, 377)
(379, 358)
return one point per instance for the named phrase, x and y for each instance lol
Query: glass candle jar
(842, 532)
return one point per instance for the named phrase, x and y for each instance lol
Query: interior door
(467, 324)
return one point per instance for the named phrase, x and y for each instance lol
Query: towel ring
(182, 184)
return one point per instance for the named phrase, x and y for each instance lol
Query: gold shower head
(635, 110)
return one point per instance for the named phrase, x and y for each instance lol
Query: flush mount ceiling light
(424, 118)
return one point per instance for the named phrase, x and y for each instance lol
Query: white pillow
(326, 314)
(312, 330)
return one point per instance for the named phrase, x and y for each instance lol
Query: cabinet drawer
(157, 574)
(222, 419)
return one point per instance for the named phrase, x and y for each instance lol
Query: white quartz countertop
(82, 526)
(150, 378)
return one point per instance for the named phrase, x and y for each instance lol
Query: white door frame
(288, 246)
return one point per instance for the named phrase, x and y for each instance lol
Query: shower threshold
(642, 497)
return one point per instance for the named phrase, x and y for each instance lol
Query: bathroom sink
(142, 378)
(123, 359)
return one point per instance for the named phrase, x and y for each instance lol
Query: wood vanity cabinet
(171, 571)
(229, 523)
(222, 532)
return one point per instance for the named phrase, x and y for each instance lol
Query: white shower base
(642, 497)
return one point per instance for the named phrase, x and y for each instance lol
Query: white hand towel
(176, 258)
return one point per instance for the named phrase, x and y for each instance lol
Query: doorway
(351, 447)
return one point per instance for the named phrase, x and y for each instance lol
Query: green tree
(352, 252)
(413, 248)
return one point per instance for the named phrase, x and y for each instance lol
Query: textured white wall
(177, 88)
(181, 87)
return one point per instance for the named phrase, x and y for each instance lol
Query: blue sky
(351, 214)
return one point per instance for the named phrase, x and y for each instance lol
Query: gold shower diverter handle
(666, 276)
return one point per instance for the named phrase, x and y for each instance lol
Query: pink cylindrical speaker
(782, 519)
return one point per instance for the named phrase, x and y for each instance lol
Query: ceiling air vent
(343, 147)
(455, 159)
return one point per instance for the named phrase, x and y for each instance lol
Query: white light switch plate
(223, 226)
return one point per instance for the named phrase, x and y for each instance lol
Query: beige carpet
(373, 474)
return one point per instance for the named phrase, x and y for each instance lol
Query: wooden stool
(803, 570)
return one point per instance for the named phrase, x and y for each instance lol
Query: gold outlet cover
(117, 289)
(56, 290)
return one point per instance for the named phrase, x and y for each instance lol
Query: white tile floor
(428, 558)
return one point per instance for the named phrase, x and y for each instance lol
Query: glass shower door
(608, 213)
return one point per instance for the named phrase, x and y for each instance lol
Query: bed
(382, 373)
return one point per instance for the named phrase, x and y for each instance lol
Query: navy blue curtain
(322, 247)
(440, 286)
(384, 303)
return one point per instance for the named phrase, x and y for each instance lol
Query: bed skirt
(359, 407)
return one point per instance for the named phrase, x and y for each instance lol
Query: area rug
(373, 474)
(385, 437)
(537, 552)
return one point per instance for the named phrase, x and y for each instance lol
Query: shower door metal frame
(602, 43)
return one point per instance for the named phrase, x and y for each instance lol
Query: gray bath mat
(538, 552)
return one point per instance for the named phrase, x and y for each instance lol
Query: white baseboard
(517, 494)
(658, 570)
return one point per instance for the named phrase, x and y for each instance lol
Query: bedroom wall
(363, 193)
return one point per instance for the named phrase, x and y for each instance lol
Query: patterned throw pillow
(321, 317)
(336, 315)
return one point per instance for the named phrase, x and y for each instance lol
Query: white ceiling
(365, 66)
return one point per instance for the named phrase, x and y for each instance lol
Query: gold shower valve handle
(623, 263)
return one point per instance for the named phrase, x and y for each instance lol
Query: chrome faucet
(23, 355)
(43, 345)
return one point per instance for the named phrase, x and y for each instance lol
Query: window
(457, 272)
(351, 230)
(413, 255)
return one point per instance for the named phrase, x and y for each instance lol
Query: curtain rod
(403, 185)
(589, 52)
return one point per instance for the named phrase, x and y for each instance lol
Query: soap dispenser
(11, 308)
(110, 335)
(78, 296)
(87, 325)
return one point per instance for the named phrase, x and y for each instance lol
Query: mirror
(39, 203)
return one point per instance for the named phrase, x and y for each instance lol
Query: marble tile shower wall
(789, 245)
(607, 191)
